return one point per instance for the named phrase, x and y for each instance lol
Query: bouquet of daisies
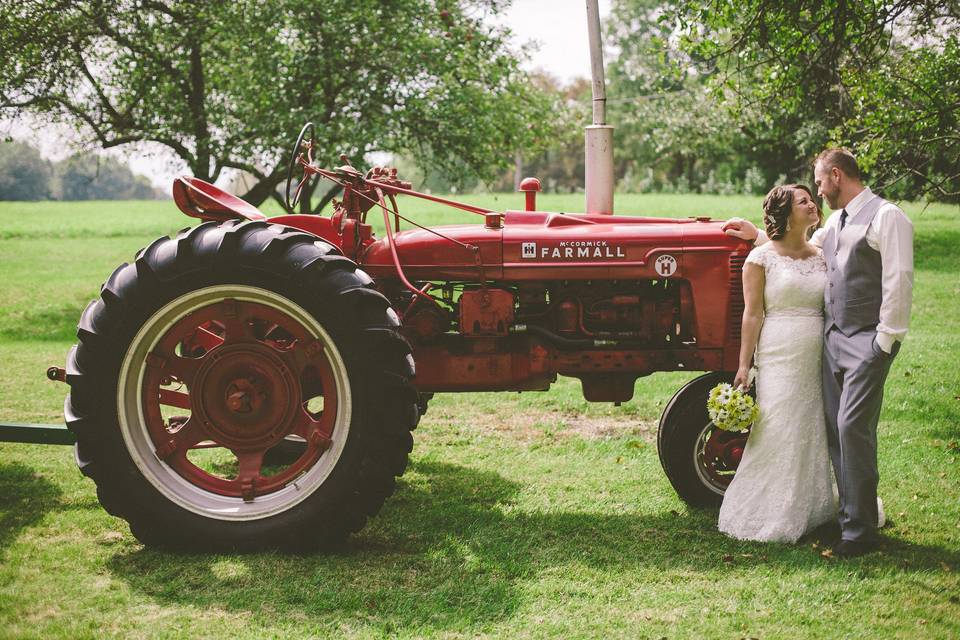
(731, 409)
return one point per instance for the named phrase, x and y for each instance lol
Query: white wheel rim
(698, 462)
(164, 478)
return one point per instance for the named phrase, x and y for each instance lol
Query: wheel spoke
(235, 325)
(250, 463)
(175, 399)
(183, 369)
(316, 432)
(190, 434)
(304, 426)
(306, 353)
(206, 338)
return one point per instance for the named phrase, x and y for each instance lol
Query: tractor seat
(200, 199)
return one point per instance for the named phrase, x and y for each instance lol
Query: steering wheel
(306, 138)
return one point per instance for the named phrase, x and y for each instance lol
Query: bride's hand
(741, 379)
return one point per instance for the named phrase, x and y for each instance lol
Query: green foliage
(877, 76)
(675, 132)
(907, 128)
(24, 175)
(560, 165)
(91, 177)
(226, 85)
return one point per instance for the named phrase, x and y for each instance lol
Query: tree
(559, 164)
(91, 177)
(678, 127)
(24, 175)
(878, 76)
(225, 85)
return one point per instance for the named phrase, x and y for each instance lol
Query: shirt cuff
(885, 341)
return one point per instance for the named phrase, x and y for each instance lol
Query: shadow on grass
(936, 251)
(451, 553)
(25, 497)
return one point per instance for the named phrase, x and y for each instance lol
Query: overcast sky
(557, 28)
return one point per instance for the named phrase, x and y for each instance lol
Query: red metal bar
(409, 192)
(392, 189)
(396, 258)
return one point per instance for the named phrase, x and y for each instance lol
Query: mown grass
(522, 515)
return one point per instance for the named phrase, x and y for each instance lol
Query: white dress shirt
(890, 233)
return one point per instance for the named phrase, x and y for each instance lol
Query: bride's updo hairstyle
(777, 207)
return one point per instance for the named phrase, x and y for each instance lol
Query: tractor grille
(736, 295)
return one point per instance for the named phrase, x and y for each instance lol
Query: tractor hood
(539, 245)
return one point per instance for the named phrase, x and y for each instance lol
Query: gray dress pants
(854, 371)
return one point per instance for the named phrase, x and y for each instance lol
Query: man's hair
(841, 159)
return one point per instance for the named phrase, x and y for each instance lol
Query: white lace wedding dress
(784, 485)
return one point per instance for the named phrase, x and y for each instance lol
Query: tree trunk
(331, 193)
(261, 190)
(517, 170)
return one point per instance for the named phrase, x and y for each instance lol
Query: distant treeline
(26, 175)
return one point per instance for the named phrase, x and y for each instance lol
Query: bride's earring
(788, 225)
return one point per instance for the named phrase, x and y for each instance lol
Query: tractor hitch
(39, 433)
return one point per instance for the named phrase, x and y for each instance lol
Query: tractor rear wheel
(241, 386)
(699, 459)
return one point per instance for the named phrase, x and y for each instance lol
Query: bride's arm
(753, 281)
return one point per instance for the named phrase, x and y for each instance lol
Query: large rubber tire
(683, 426)
(424, 403)
(305, 278)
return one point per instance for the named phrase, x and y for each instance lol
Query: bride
(784, 486)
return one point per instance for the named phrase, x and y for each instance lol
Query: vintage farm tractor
(306, 348)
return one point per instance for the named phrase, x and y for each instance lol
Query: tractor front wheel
(219, 349)
(699, 459)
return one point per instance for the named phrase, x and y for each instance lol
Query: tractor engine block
(521, 336)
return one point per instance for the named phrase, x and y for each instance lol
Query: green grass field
(533, 515)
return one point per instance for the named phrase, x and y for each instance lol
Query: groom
(868, 247)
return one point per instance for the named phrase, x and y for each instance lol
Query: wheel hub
(717, 456)
(246, 396)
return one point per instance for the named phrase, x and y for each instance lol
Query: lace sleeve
(758, 256)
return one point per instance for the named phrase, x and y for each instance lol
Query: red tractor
(308, 348)
(253, 383)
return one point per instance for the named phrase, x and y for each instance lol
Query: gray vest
(854, 274)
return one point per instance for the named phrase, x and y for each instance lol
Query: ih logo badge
(529, 250)
(666, 266)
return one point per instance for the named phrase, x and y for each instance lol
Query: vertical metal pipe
(599, 135)
(596, 63)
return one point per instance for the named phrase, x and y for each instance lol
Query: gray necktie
(843, 218)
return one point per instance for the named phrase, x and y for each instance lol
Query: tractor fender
(317, 225)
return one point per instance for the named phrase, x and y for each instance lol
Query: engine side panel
(605, 299)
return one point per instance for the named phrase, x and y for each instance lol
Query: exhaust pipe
(599, 135)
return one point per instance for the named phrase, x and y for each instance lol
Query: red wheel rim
(718, 455)
(245, 371)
